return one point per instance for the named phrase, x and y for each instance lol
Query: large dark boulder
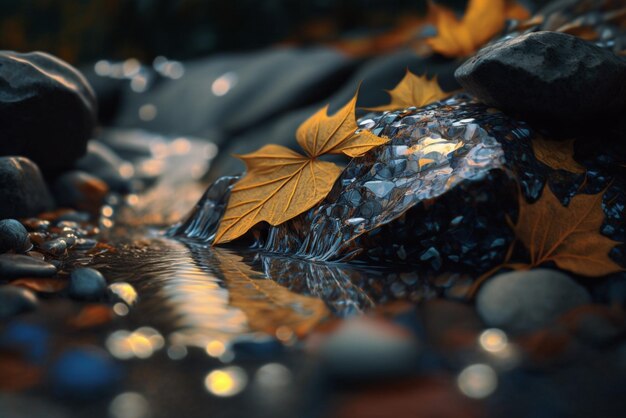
(47, 109)
(548, 77)
(23, 192)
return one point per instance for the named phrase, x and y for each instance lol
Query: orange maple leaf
(412, 90)
(281, 184)
(483, 19)
(568, 236)
(558, 155)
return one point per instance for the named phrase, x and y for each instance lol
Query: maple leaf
(558, 155)
(482, 20)
(568, 236)
(412, 90)
(280, 183)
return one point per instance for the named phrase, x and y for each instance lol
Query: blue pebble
(15, 300)
(257, 348)
(13, 236)
(86, 373)
(87, 283)
(30, 339)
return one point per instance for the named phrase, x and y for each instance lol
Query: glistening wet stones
(87, 283)
(549, 77)
(13, 236)
(22, 189)
(528, 300)
(47, 109)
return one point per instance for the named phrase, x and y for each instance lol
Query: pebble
(56, 246)
(85, 244)
(364, 348)
(80, 190)
(523, 301)
(17, 265)
(23, 191)
(549, 77)
(85, 373)
(87, 283)
(15, 300)
(13, 236)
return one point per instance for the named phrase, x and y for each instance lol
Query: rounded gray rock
(13, 266)
(15, 300)
(87, 283)
(527, 300)
(548, 77)
(13, 237)
(23, 192)
(47, 109)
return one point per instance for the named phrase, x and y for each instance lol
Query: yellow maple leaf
(280, 184)
(558, 155)
(413, 90)
(568, 236)
(482, 20)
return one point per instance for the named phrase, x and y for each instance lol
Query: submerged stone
(23, 191)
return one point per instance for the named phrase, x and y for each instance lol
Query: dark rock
(56, 246)
(18, 265)
(528, 300)
(87, 283)
(548, 77)
(104, 163)
(84, 373)
(23, 192)
(13, 236)
(15, 300)
(47, 109)
(83, 244)
(80, 190)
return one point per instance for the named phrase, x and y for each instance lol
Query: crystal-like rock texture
(438, 194)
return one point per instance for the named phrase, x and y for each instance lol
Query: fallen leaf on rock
(413, 90)
(558, 155)
(280, 183)
(483, 20)
(568, 236)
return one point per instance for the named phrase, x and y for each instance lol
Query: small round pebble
(13, 236)
(522, 301)
(87, 283)
(13, 266)
(15, 300)
(85, 373)
(56, 246)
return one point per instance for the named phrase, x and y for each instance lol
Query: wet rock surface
(87, 283)
(47, 109)
(549, 77)
(18, 265)
(22, 189)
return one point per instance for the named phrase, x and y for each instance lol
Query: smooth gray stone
(522, 301)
